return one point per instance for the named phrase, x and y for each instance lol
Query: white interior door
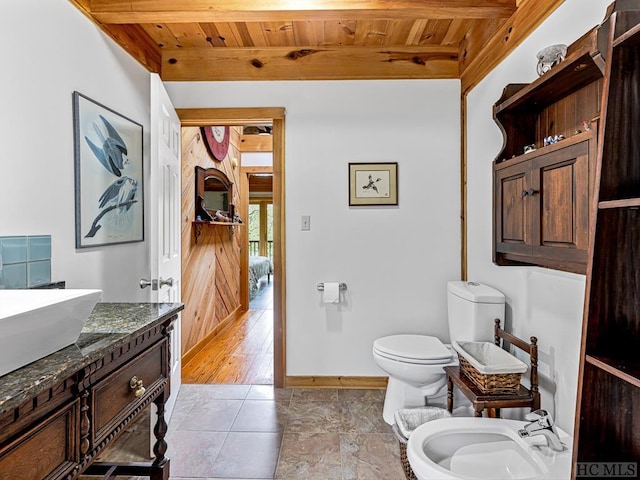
(164, 222)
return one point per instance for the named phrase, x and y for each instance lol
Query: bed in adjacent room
(258, 268)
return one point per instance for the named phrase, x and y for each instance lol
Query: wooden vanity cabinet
(541, 199)
(607, 427)
(58, 432)
(48, 449)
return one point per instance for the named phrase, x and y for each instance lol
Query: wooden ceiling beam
(205, 11)
(478, 56)
(256, 143)
(133, 38)
(310, 63)
(197, 117)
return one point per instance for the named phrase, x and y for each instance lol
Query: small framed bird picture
(373, 184)
(108, 175)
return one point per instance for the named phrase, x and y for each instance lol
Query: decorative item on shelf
(586, 126)
(221, 216)
(202, 214)
(551, 140)
(530, 148)
(205, 216)
(550, 56)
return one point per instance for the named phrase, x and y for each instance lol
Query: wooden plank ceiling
(211, 40)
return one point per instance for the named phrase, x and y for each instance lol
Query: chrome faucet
(541, 423)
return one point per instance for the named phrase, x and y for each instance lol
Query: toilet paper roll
(331, 293)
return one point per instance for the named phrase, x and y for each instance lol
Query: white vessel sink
(36, 323)
(484, 449)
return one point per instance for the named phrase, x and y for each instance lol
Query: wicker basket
(407, 420)
(490, 383)
(406, 467)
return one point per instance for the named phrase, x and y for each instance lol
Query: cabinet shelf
(556, 103)
(578, 69)
(198, 224)
(570, 75)
(629, 38)
(623, 369)
(622, 203)
(545, 150)
(226, 224)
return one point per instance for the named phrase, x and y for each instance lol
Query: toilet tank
(472, 308)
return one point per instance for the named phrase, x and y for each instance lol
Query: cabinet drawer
(114, 398)
(48, 450)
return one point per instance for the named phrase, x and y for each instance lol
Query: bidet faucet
(541, 423)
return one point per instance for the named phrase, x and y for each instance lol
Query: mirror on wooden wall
(214, 195)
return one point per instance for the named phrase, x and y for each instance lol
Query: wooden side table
(525, 397)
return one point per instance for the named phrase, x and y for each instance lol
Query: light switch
(306, 223)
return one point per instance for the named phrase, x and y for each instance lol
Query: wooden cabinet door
(512, 221)
(559, 199)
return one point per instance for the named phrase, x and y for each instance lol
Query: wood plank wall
(211, 267)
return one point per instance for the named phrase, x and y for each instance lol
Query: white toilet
(415, 362)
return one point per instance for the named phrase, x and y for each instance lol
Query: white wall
(541, 302)
(395, 260)
(51, 49)
(257, 159)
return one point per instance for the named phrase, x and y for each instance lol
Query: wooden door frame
(244, 213)
(196, 117)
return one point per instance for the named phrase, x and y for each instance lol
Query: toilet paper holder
(342, 287)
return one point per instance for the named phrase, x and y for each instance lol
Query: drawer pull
(137, 386)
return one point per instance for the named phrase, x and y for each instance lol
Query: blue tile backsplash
(25, 261)
(38, 273)
(14, 249)
(14, 276)
(39, 248)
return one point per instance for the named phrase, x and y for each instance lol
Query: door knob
(144, 283)
(168, 282)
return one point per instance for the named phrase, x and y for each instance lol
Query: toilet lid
(421, 348)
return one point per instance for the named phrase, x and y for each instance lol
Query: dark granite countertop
(109, 326)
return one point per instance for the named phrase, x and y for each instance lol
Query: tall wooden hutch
(608, 409)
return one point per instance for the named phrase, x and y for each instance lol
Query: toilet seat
(416, 349)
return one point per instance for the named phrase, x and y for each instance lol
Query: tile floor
(258, 432)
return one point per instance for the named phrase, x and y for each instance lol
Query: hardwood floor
(243, 353)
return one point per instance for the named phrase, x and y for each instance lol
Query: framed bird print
(109, 199)
(373, 184)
